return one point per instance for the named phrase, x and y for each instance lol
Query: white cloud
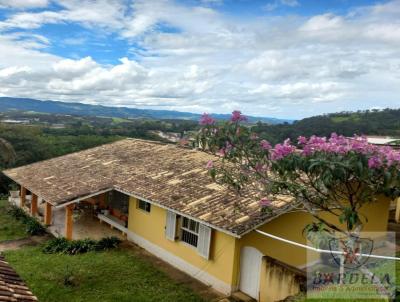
(290, 2)
(277, 3)
(211, 61)
(106, 14)
(21, 4)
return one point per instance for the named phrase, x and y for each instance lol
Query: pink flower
(221, 152)
(210, 164)
(302, 140)
(206, 119)
(282, 150)
(374, 162)
(237, 116)
(265, 144)
(265, 202)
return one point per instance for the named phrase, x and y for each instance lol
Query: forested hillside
(45, 136)
(48, 135)
(372, 122)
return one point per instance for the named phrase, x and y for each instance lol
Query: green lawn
(10, 229)
(115, 275)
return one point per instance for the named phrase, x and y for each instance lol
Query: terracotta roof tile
(12, 288)
(165, 174)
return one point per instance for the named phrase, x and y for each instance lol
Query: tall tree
(7, 152)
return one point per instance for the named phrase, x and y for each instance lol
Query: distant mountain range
(56, 107)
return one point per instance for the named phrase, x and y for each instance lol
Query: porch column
(34, 205)
(102, 200)
(47, 213)
(23, 196)
(397, 216)
(68, 221)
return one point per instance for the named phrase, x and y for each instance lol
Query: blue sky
(281, 58)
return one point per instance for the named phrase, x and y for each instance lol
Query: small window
(144, 205)
(190, 231)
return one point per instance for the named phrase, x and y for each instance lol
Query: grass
(118, 120)
(115, 275)
(10, 229)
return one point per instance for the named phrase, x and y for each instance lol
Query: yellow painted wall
(290, 226)
(151, 226)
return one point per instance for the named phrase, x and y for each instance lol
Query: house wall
(222, 270)
(290, 226)
(148, 230)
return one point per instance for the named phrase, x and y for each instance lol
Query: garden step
(241, 297)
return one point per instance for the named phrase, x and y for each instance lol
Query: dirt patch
(178, 276)
(16, 244)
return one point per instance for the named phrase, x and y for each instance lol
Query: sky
(277, 58)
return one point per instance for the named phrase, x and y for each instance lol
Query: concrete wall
(278, 281)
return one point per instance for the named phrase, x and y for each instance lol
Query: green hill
(371, 122)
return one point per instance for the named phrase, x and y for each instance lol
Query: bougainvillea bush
(332, 174)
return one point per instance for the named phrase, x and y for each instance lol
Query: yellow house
(162, 198)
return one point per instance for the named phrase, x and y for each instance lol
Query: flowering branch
(338, 175)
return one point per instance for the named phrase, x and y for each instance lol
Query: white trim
(82, 198)
(112, 222)
(181, 264)
(322, 251)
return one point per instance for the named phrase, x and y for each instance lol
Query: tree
(7, 152)
(337, 175)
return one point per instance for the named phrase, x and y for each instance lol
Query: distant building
(15, 121)
(384, 141)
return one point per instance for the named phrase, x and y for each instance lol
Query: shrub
(108, 243)
(73, 247)
(17, 213)
(33, 227)
(56, 245)
(81, 246)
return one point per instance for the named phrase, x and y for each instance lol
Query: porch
(86, 225)
(95, 217)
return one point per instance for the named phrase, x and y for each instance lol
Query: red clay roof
(171, 176)
(12, 288)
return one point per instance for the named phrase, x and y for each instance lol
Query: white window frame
(187, 229)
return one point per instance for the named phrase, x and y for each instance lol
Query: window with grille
(190, 231)
(144, 205)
